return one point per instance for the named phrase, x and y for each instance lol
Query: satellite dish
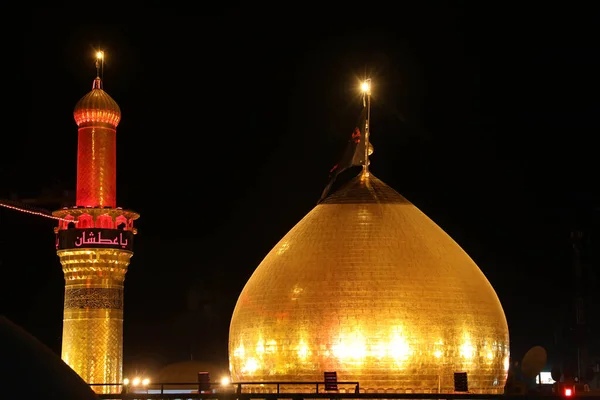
(533, 362)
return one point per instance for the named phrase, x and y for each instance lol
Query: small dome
(97, 106)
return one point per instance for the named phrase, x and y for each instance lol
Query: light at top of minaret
(365, 86)
(97, 107)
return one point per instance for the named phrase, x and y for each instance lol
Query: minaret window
(85, 221)
(104, 221)
(66, 222)
(121, 220)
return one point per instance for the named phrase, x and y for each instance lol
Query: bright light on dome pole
(366, 89)
(100, 63)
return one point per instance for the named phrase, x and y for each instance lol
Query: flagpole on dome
(366, 89)
(353, 155)
(99, 70)
(100, 65)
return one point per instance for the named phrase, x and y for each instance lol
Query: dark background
(484, 116)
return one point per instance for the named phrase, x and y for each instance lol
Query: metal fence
(244, 391)
(331, 396)
(320, 390)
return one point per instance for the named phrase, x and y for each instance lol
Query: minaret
(94, 241)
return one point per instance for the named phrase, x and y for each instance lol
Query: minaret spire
(99, 68)
(366, 89)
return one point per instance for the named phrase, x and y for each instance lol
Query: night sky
(484, 117)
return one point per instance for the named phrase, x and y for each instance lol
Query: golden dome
(368, 286)
(97, 107)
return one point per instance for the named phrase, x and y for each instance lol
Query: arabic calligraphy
(92, 239)
(93, 298)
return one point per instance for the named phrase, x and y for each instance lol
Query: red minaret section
(97, 116)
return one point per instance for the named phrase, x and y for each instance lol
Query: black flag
(354, 153)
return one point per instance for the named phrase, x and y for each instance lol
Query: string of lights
(5, 204)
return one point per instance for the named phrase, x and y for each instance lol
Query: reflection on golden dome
(97, 107)
(368, 286)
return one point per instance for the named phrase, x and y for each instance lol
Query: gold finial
(99, 64)
(366, 89)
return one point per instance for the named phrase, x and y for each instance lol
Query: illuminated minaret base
(94, 242)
